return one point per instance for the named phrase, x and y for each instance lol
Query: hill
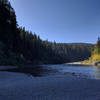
(19, 46)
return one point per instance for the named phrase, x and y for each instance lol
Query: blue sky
(60, 20)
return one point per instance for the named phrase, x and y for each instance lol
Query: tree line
(19, 46)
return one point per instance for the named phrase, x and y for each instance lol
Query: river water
(85, 71)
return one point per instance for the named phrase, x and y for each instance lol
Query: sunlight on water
(89, 71)
(96, 72)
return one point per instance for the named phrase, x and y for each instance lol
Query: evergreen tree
(22, 45)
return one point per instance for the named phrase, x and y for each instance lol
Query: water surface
(88, 71)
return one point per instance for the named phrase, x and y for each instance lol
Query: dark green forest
(19, 46)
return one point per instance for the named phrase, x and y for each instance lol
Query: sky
(64, 21)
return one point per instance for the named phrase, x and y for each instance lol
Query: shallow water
(87, 71)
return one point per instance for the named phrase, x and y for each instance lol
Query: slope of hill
(18, 46)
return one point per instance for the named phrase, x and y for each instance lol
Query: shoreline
(79, 64)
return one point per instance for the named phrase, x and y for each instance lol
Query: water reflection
(89, 71)
(96, 72)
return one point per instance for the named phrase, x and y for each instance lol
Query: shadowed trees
(20, 46)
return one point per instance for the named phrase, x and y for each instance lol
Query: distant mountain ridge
(78, 43)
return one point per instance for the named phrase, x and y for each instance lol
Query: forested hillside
(95, 56)
(19, 46)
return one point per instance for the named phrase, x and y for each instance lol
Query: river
(92, 72)
(67, 83)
